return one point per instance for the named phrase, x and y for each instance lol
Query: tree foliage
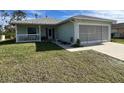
(36, 15)
(18, 15)
(4, 18)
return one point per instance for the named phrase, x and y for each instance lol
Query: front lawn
(118, 41)
(46, 62)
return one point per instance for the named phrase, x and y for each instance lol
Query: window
(32, 30)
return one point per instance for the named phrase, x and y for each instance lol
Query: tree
(18, 15)
(10, 31)
(4, 19)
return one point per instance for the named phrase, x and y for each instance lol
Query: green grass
(46, 62)
(118, 41)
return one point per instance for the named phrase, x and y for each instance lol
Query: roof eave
(31, 24)
(105, 20)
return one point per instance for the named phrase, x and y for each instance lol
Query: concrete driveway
(112, 49)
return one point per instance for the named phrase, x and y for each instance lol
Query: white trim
(91, 19)
(76, 32)
(93, 24)
(25, 35)
(92, 42)
(109, 37)
(39, 33)
(30, 41)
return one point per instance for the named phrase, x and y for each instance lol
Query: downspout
(39, 33)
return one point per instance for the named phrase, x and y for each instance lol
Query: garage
(92, 34)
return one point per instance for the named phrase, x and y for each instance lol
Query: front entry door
(50, 34)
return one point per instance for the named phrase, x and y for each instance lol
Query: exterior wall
(87, 22)
(22, 29)
(23, 36)
(121, 30)
(118, 32)
(114, 30)
(43, 30)
(65, 31)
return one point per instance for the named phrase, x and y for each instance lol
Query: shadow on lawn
(46, 46)
(40, 46)
(7, 42)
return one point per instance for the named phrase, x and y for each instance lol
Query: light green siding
(65, 31)
(22, 29)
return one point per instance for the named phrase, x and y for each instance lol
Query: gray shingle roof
(52, 21)
(119, 25)
(43, 21)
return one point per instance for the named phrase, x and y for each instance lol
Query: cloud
(109, 14)
(63, 14)
(31, 13)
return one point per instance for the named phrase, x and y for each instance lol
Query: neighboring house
(118, 30)
(86, 28)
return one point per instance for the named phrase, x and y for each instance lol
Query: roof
(53, 21)
(43, 21)
(92, 18)
(119, 25)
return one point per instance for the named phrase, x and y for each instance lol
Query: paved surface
(112, 49)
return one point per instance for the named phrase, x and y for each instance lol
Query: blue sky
(63, 14)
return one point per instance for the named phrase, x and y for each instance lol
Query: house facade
(86, 28)
(118, 30)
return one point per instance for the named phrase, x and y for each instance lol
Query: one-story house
(87, 29)
(118, 30)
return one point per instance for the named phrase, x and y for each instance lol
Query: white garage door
(93, 34)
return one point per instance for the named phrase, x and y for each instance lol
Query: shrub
(77, 43)
(71, 39)
(112, 35)
(10, 35)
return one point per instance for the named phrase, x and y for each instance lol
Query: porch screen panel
(105, 33)
(83, 33)
(94, 34)
(90, 33)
